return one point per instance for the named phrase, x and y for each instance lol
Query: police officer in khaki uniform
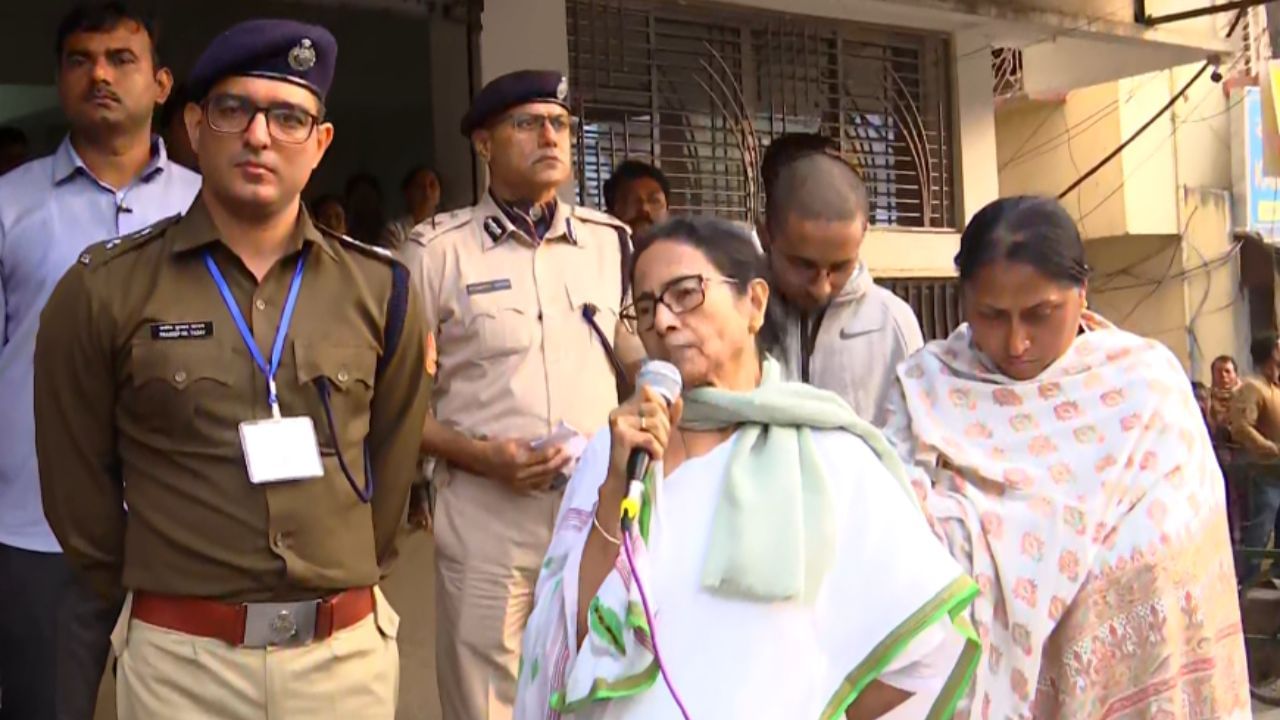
(522, 294)
(250, 387)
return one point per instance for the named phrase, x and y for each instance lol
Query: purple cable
(653, 630)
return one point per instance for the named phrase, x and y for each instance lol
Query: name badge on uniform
(491, 286)
(182, 330)
(280, 450)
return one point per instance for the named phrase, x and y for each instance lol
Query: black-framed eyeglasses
(524, 122)
(286, 122)
(681, 295)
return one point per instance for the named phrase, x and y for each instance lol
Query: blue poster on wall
(1264, 192)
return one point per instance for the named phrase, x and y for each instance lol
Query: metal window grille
(936, 302)
(1006, 65)
(700, 92)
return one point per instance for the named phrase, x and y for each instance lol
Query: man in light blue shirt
(110, 177)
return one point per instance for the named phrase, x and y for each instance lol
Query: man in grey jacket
(841, 331)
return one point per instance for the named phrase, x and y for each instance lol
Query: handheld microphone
(664, 378)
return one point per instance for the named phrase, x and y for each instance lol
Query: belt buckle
(280, 624)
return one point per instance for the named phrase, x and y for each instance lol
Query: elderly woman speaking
(779, 566)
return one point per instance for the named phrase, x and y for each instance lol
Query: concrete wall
(1157, 218)
(1127, 287)
(1216, 310)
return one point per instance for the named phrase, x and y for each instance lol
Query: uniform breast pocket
(174, 383)
(502, 322)
(587, 298)
(345, 378)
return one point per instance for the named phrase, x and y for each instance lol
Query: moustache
(101, 91)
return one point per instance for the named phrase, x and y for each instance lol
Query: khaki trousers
(490, 543)
(161, 673)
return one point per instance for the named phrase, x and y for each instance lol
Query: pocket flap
(341, 365)
(179, 364)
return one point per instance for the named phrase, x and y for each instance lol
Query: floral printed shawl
(1089, 507)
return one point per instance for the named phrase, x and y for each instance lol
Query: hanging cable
(1173, 99)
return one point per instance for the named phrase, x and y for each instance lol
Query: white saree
(884, 610)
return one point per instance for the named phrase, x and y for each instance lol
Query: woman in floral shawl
(1068, 469)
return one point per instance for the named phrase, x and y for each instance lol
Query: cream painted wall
(1044, 147)
(1127, 288)
(1184, 294)
(1217, 313)
(1149, 175)
(1161, 246)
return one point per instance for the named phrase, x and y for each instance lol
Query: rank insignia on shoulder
(493, 228)
(85, 258)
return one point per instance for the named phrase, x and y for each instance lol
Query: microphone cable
(648, 616)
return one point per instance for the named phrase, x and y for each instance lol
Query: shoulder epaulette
(441, 223)
(103, 252)
(598, 217)
(363, 248)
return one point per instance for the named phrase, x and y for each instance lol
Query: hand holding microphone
(641, 429)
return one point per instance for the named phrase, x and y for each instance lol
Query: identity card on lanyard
(277, 449)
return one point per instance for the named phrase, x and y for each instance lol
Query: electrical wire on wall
(1024, 154)
(1173, 99)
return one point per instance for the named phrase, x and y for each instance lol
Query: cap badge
(303, 55)
(562, 90)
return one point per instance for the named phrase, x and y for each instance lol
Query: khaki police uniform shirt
(142, 381)
(515, 355)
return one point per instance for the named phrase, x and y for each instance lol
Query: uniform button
(343, 376)
(281, 540)
(180, 376)
(260, 304)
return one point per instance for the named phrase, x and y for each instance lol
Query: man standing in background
(421, 191)
(109, 177)
(638, 194)
(842, 332)
(1226, 381)
(1255, 424)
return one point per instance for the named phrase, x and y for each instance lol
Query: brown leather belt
(255, 624)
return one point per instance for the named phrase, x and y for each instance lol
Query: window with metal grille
(936, 302)
(1006, 65)
(700, 92)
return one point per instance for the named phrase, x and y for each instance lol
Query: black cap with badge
(287, 50)
(507, 91)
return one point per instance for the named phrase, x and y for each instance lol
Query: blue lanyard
(286, 317)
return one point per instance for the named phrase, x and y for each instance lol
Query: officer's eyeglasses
(682, 295)
(286, 122)
(528, 123)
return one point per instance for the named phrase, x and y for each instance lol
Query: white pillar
(975, 123)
